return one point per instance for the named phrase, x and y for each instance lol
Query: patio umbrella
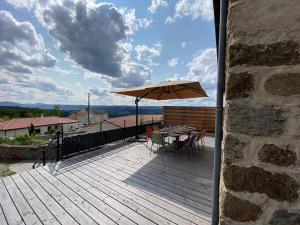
(164, 91)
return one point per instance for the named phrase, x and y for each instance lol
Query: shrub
(31, 129)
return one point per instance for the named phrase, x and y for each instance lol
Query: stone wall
(20, 152)
(260, 177)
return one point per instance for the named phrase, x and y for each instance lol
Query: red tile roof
(19, 123)
(84, 112)
(130, 120)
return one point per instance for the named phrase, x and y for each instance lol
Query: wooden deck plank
(162, 182)
(81, 203)
(150, 210)
(134, 162)
(134, 211)
(95, 199)
(80, 216)
(9, 209)
(46, 217)
(101, 172)
(161, 202)
(155, 173)
(119, 184)
(156, 189)
(178, 171)
(2, 216)
(21, 204)
(164, 165)
(184, 166)
(56, 209)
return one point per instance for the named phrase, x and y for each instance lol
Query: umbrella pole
(136, 117)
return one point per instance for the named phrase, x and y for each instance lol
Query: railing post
(44, 158)
(62, 138)
(152, 121)
(100, 133)
(124, 126)
(57, 146)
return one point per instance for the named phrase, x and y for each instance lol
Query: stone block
(255, 120)
(270, 153)
(233, 147)
(278, 186)
(283, 84)
(239, 85)
(240, 210)
(283, 217)
(275, 54)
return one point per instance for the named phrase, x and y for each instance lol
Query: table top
(176, 130)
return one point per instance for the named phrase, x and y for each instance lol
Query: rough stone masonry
(260, 176)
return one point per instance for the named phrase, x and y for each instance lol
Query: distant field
(20, 111)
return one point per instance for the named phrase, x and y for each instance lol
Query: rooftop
(84, 112)
(19, 123)
(118, 184)
(130, 120)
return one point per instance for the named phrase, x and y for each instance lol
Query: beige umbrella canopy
(166, 90)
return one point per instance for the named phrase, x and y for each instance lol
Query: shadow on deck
(120, 184)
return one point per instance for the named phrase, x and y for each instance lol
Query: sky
(55, 51)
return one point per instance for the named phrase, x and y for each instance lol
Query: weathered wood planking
(199, 117)
(125, 186)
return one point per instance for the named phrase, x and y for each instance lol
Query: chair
(188, 144)
(156, 138)
(200, 137)
(148, 132)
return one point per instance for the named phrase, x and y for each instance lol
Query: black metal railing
(74, 145)
(48, 154)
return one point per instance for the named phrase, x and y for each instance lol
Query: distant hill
(113, 111)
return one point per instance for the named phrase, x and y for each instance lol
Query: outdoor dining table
(176, 132)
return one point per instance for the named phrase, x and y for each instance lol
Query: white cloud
(145, 22)
(134, 23)
(32, 82)
(183, 44)
(170, 20)
(135, 74)
(192, 9)
(155, 4)
(95, 35)
(99, 92)
(203, 68)
(21, 49)
(145, 53)
(173, 62)
(27, 4)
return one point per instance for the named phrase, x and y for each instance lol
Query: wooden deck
(122, 186)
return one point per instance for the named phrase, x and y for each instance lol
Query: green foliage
(51, 130)
(23, 140)
(8, 112)
(31, 129)
(18, 112)
(56, 111)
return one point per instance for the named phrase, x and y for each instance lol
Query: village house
(19, 126)
(96, 116)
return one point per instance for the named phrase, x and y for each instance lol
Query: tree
(56, 111)
(31, 129)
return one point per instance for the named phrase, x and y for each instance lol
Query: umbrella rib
(149, 93)
(193, 89)
(159, 95)
(177, 95)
